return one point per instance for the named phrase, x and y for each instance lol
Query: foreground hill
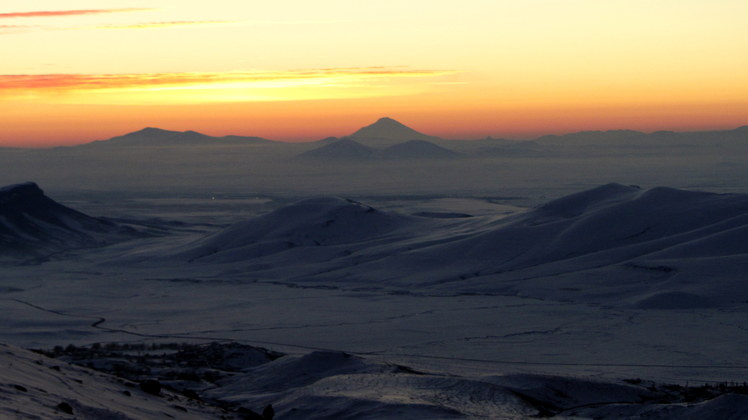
(36, 387)
(33, 225)
(221, 380)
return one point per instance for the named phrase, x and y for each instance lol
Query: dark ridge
(19, 192)
(417, 149)
(35, 225)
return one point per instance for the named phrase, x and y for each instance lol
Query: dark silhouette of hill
(340, 149)
(417, 149)
(347, 149)
(35, 225)
(150, 136)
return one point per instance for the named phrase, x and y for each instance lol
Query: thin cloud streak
(13, 29)
(173, 24)
(17, 29)
(62, 82)
(63, 13)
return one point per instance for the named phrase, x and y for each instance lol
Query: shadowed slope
(31, 224)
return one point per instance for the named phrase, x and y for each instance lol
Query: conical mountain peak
(389, 129)
(390, 122)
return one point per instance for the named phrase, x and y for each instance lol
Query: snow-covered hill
(33, 225)
(318, 222)
(656, 248)
(615, 244)
(609, 224)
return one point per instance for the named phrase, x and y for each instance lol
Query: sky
(296, 70)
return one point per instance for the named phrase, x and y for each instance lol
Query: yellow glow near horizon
(545, 57)
(191, 88)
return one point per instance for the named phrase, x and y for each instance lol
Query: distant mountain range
(150, 136)
(387, 132)
(631, 138)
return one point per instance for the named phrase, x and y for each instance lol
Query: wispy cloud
(15, 29)
(156, 80)
(62, 13)
(173, 24)
(156, 25)
(229, 86)
(12, 29)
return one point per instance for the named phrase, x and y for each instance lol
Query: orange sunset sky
(79, 70)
